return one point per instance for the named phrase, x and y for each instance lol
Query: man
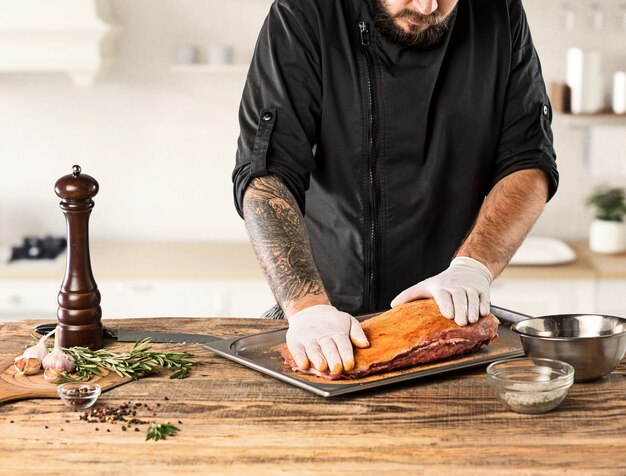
(420, 132)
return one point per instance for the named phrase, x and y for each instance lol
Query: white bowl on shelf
(542, 251)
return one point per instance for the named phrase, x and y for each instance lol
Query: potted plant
(608, 231)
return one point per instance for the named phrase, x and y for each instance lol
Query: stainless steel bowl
(593, 344)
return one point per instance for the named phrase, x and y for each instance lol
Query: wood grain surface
(237, 421)
(15, 386)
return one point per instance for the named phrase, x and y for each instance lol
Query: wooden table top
(237, 421)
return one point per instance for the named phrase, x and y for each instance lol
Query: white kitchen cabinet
(157, 298)
(172, 298)
(544, 296)
(36, 299)
(611, 297)
(28, 299)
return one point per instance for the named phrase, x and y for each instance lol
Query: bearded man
(390, 150)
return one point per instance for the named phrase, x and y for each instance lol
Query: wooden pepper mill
(79, 310)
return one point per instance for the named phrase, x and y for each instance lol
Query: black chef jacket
(390, 151)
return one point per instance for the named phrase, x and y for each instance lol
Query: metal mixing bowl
(593, 344)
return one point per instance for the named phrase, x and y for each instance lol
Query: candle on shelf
(619, 92)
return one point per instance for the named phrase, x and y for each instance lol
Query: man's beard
(416, 36)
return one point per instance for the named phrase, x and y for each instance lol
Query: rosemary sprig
(134, 364)
(158, 431)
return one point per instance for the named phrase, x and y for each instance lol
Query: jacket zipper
(372, 133)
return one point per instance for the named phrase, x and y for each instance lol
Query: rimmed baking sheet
(260, 352)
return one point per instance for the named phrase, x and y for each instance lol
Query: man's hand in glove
(323, 336)
(461, 291)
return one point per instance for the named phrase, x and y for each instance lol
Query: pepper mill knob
(79, 310)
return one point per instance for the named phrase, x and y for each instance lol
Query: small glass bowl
(530, 385)
(79, 396)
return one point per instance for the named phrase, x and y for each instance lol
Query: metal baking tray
(259, 352)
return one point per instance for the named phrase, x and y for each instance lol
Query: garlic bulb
(58, 360)
(27, 366)
(38, 351)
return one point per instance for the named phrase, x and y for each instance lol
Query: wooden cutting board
(14, 386)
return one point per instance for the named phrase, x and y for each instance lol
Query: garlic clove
(52, 375)
(27, 366)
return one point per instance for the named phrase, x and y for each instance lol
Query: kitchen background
(160, 135)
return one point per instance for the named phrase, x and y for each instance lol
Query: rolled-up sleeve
(526, 139)
(280, 105)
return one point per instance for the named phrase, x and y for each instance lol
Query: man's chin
(410, 34)
(417, 30)
(409, 25)
(416, 37)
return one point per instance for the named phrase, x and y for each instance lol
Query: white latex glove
(461, 291)
(323, 336)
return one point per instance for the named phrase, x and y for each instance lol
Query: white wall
(566, 216)
(162, 145)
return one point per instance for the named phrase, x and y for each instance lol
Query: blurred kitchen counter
(587, 265)
(194, 279)
(140, 279)
(236, 260)
(151, 260)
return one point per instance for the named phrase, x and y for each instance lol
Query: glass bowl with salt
(530, 385)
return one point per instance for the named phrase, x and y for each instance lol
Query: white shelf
(209, 68)
(590, 120)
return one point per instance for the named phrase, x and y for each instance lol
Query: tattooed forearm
(507, 215)
(279, 237)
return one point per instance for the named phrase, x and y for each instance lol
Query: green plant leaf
(609, 203)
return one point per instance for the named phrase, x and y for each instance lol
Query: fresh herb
(609, 203)
(158, 431)
(136, 363)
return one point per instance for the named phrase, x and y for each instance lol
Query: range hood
(52, 36)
